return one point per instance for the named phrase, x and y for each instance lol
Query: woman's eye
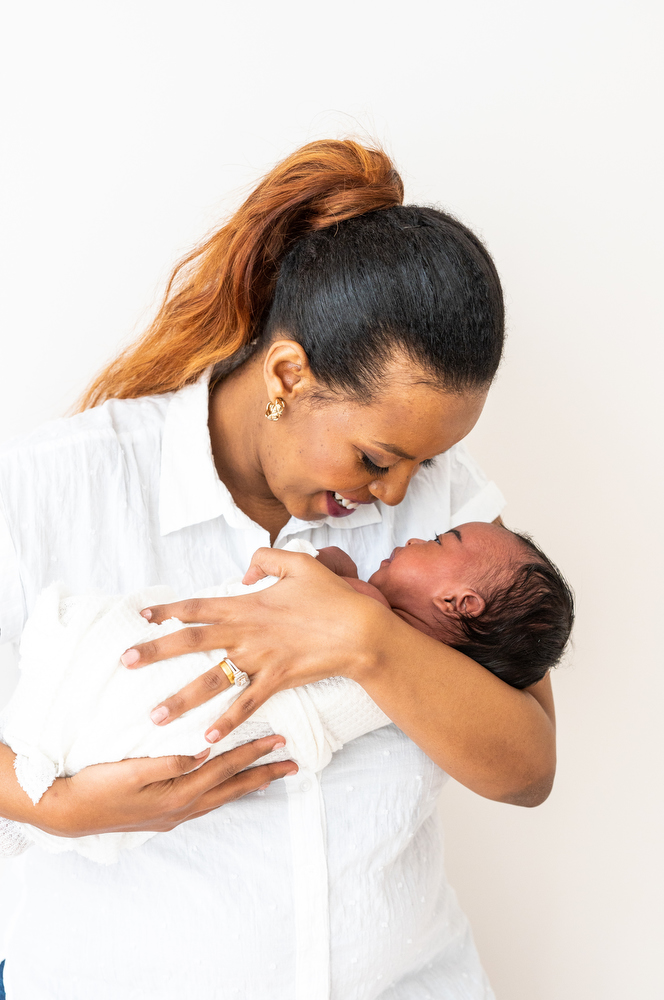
(436, 539)
(375, 470)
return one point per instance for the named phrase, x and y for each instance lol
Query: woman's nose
(416, 541)
(390, 491)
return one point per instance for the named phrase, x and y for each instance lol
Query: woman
(368, 334)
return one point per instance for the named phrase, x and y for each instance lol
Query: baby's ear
(464, 604)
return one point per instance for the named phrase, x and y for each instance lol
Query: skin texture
(495, 739)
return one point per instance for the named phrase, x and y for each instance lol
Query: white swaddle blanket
(77, 705)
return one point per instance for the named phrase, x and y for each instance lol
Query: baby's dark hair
(526, 623)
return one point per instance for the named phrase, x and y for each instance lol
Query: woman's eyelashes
(436, 538)
(375, 470)
(381, 470)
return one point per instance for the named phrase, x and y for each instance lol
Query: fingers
(195, 609)
(187, 640)
(150, 769)
(227, 765)
(196, 693)
(252, 780)
(254, 696)
(275, 562)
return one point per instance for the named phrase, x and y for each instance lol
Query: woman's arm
(496, 740)
(147, 793)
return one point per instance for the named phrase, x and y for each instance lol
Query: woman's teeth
(348, 504)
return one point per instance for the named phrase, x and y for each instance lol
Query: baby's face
(423, 578)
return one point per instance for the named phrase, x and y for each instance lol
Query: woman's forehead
(410, 419)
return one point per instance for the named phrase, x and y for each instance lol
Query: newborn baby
(487, 591)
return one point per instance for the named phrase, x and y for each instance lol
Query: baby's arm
(341, 563)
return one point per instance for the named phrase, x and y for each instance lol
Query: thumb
(151, 769)
(276, 562)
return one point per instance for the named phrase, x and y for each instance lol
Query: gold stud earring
(274, 410)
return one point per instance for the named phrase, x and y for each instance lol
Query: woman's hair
(323, 252)
(526, 623)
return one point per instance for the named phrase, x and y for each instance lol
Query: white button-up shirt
(322, 886)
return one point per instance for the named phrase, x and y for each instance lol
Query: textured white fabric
(77, 705)
(13, 839)
(326, 885)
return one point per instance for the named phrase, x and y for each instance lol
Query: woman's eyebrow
(453, 531)
(395, 451)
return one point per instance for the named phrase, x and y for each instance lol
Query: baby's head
(487, 591)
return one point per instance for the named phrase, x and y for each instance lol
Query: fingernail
(263, 787)
(203, 753)
(278, 746)
(131, 656)
(294, 771)
(212, 736)
(147, 613)
(159, 715)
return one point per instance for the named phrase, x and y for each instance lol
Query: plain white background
(130, 129)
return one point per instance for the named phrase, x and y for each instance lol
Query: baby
(487, 591)
(483, 589)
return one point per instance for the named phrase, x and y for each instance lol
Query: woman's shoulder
(113, 421)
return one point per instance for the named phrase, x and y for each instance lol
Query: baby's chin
(382, 574)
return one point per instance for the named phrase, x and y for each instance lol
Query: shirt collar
(190, 490)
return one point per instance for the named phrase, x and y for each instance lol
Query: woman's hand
(143, 794)
(496, 740)
(309, 625)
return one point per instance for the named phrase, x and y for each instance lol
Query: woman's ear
(467, 603)
(286, 370)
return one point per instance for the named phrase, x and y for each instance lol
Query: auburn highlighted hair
(218, 297)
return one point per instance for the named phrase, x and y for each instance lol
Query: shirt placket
(310, 886)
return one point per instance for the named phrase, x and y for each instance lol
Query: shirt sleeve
(472, 496)
(12, 600)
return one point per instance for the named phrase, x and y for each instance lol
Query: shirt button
(305, 786)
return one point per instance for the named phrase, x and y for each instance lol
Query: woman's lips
(335, 508)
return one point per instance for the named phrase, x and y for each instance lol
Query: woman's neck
(236, 418)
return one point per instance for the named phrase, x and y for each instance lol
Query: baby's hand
(338, 561)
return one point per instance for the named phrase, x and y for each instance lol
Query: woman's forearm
(14, 802)
(493, 738)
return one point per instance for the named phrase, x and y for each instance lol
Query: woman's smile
(340, 505)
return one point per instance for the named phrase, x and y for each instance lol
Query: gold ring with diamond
(234, 674)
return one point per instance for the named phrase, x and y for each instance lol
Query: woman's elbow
(532, 795)
(532, 791)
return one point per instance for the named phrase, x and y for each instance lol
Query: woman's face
(319, 455)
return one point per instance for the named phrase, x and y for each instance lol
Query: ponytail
(218, 298)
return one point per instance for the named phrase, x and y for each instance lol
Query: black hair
(402, 278)
(526, 623)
